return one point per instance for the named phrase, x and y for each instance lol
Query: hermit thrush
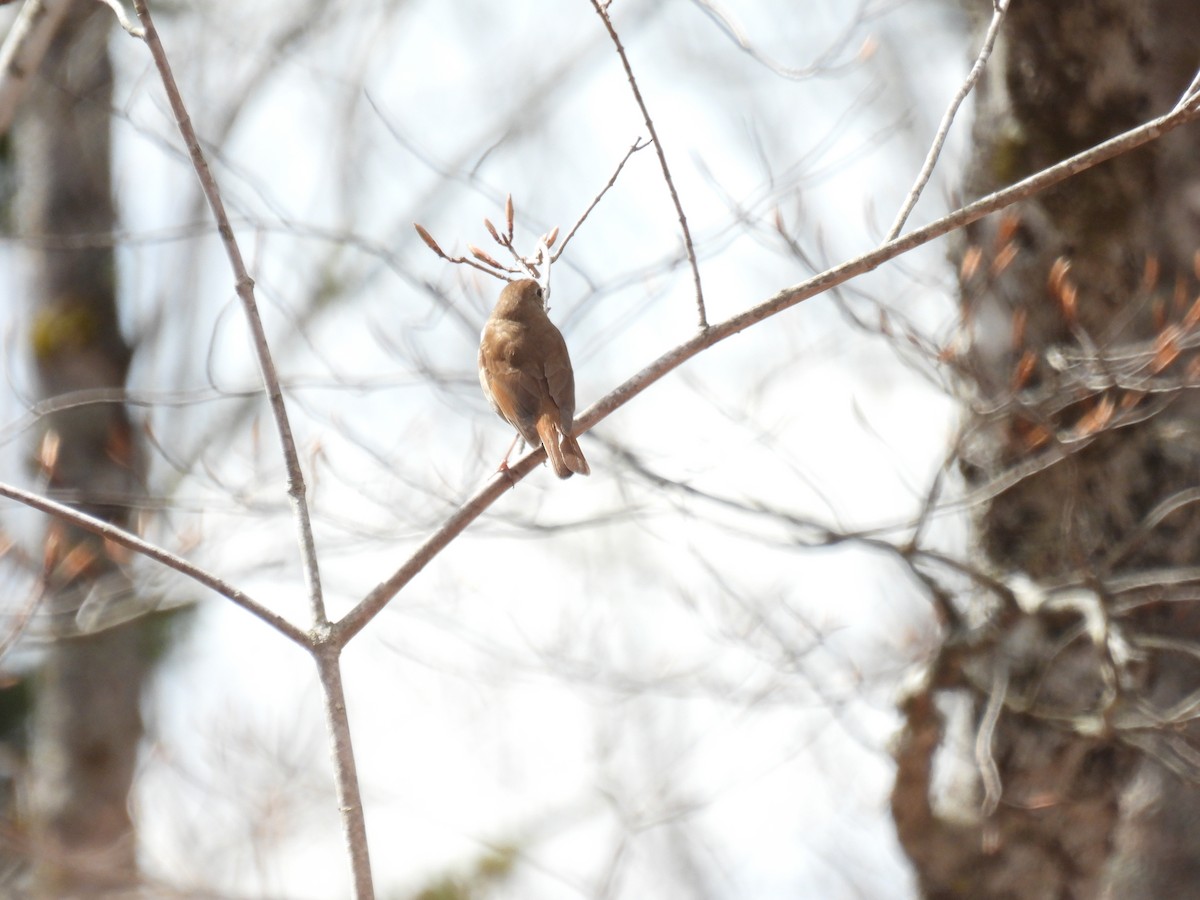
(526, 374)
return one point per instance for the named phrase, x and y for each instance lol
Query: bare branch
(350, 800)
(634, 148)
(120, 536)
(122, 18)
(602, 12)
(823, 64)
(369, 606)
(989, 773)
(245, 289)
(1000, 8)
(462, 260)
(348, 793)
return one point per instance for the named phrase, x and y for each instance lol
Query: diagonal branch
(370, 606)
(602, 12)
(989, 41)
(245, 290)
(124, 538)
(634, 148)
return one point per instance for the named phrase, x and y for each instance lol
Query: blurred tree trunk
(86, 725)
(1051, 753)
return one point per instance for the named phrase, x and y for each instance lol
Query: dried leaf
(1020, 319)
(1024, 369)
(1149, 274)
(1096, 418)
(52, 549)
(1070, 305)
(47, 455)
(1059, 270)
(1193, 314)
(970, 263)
(1063, 290)
(1003, 259)
(77, 561)
(1032, 435)
(1009, 222)
(1130, 399)
(1166, 349)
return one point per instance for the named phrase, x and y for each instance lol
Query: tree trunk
(86, 723)
(1068, 676)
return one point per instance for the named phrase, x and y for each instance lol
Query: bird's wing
(560, 381)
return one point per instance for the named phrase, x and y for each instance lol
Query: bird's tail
(563, 450)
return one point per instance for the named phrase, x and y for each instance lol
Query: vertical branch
(602, 12)
(325, 650)
(245, 291)
(354, 824)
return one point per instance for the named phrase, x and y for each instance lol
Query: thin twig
(602, 12)
(120, 536)
(989, 773)
(245, 291)
(1190, 95)
(637, 145)
(355, 620)
(433, 245)
(822, 65)
(369, 606)
(345, 770)
(122, 18)
(999, 9)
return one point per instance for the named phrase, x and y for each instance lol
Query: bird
(526, 375)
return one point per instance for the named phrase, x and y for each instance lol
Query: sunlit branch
(935, 151)
(602, 12)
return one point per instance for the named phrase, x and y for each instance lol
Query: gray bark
(86, 723)
(1066, 668)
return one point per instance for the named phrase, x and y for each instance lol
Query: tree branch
(602, 12)
(370, 606)
(245, 291)
(118, 535)
(935, 151)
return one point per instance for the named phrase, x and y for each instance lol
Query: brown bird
(526, 375)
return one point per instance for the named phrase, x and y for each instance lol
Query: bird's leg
(503, 467)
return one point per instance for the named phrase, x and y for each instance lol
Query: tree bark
(1050, 751)
(86, 723)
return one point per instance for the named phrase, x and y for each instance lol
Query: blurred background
(675, 678)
